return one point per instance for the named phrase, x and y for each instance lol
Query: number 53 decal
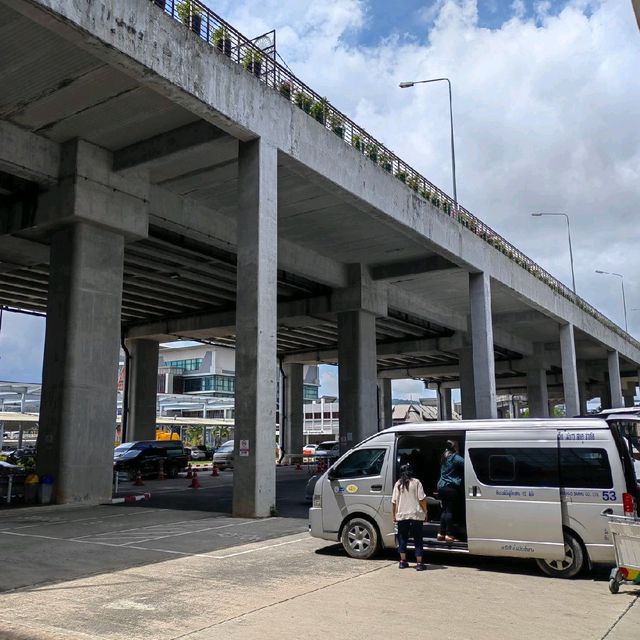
(609, 495)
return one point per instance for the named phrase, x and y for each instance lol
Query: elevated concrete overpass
(158, 183)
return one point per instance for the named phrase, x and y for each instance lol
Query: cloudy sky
(547, 116)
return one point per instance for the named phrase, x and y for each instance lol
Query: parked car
(328, 450)
(198, 453)
(309, 450)
(145, 456)
(223, 456)
(207, 451)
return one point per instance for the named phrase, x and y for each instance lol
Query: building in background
(208, 370)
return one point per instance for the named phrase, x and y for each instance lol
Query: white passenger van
(531, 489)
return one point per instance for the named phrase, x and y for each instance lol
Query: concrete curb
(137, 498)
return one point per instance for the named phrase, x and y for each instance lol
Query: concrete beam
(398, 270)
(173, 146)
(88, 191)
(361, 293)
(21, 252)
(221, 323)
(203, 223)
(437, 371)
(518, 317)
(28, 155)
(420, 347)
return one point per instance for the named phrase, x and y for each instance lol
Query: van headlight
(317, 500)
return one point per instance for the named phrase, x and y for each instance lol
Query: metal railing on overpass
(230, 42)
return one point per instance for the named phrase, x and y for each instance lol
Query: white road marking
(42, 523)
(227, 556)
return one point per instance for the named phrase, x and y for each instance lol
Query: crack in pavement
(622, 615)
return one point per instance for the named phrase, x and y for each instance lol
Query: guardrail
(229, 42)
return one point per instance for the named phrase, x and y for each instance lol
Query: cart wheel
(614, 585)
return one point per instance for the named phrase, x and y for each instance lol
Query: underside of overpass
(126, 142)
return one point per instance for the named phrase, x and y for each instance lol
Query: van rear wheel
(572, 563)
(359, 538)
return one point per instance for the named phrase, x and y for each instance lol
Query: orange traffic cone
(138, 482)
(195, 483)
(189, 473)
(214, 471)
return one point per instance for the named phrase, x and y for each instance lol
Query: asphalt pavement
(166, 570)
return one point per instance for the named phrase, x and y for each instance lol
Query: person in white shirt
(409, 505)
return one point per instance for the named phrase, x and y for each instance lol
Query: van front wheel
(572, 563)
(359, 538)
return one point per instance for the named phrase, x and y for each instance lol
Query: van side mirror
(331, 475)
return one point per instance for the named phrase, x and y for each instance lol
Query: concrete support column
(537, 393)
(605, 396)
(385, 404)
(584, 397)
(293, 410)
(467, 388)
(143, 389)
(482, 343)
(357, 377)
(78, 408)
(447, 406)
(629, 396)
(443, 397)
(515, 407)
(254, 488)
(615, 384)
(569, 370)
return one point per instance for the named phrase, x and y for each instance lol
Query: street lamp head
(406, 85)
(598, 271)
(536, 215)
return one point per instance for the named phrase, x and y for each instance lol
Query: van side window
(522, 467)
(571, 467)
(362, 462)
(502, 469)
(585, 468)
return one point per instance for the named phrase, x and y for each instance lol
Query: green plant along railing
(231, 43)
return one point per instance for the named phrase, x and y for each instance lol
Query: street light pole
(407, 85)
(573, 275)
(624, 300)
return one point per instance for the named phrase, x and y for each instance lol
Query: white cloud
(21, 347)
(546, 116)
(409, 389)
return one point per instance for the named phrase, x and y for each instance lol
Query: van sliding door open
(512, 493)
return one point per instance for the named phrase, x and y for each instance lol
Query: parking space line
(117, 515)
(150, 526)
(211, 556)
(143, 531)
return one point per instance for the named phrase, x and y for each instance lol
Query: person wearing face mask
(449, 488)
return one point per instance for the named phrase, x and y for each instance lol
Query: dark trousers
(410, 529)
(449, 497)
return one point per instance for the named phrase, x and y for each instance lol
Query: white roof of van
(629, 410)
(520, 423)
